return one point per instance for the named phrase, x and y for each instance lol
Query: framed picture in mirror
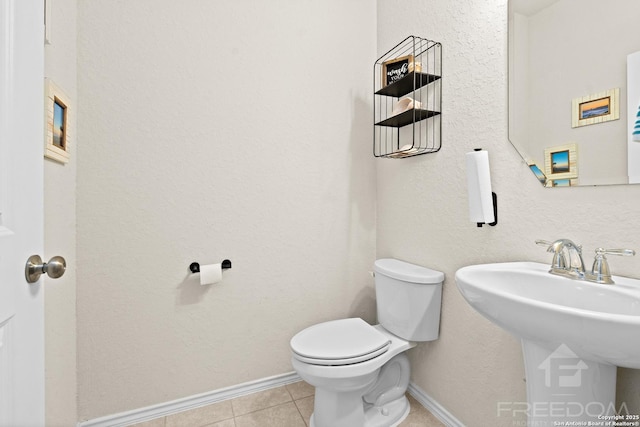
(561, 163)
(597, 108)
(539, 174)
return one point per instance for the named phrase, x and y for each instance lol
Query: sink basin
(574, 334)
(597, 322)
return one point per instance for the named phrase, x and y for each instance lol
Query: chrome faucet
(564, 249)
(600, 272)
(575, 266)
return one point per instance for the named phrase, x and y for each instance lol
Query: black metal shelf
(408, 76)
(406, 118)
(407, 84)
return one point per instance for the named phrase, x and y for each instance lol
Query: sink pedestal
(563, 387)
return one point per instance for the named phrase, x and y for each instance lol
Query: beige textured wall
(212, 130)
(423, 210)
(60, 231)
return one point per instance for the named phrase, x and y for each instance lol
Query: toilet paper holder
(195, 266)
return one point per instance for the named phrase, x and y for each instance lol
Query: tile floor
(286, 406)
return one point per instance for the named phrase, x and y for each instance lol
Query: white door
(21, 212)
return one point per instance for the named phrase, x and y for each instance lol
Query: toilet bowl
(349, 382)
(361, 372)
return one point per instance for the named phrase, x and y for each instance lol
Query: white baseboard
(168, 408)
(434, 407)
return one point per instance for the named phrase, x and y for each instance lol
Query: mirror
(574, 90)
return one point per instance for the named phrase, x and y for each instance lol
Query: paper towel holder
(494, 196)
(195, 266)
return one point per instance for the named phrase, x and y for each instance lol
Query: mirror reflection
(574, 90)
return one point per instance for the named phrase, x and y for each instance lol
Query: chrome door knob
(35, 268)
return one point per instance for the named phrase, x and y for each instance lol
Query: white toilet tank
(408, 299)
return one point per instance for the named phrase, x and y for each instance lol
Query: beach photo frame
(561, 163)
(596, 108)
(57, 112)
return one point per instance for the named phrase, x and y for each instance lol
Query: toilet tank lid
(407, 272)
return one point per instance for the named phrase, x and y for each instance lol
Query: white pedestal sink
(574, 334)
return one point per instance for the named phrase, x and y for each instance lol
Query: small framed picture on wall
(57, 112)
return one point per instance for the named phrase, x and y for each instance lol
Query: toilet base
(365, 394)
(388, 415)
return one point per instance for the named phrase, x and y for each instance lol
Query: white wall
(60, 231)
(423, 210)
(212, 130)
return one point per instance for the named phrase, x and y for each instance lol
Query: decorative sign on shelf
(397, 68)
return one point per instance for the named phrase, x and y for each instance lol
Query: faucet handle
(555, 246)
(600, 272)
(622, 252)
(559, 261)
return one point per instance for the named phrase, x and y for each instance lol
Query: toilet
(361, 372)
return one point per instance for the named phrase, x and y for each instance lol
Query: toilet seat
(339, 342)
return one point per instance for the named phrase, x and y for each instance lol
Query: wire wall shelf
(407, 82)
